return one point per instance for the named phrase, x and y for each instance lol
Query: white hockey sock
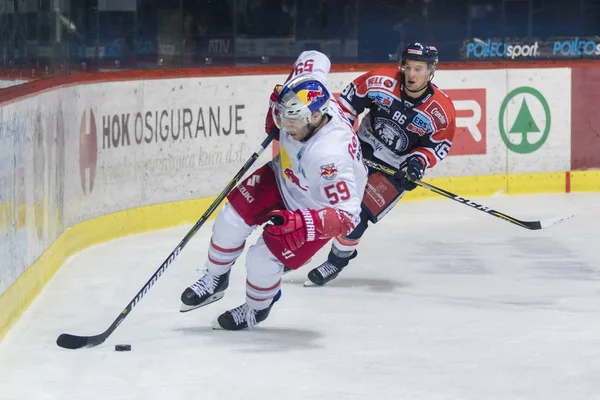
(259, 297)
(227, 241)
(221, 259)
(263, 279)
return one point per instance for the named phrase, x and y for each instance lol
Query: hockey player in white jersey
(310, 193)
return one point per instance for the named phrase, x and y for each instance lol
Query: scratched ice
(443, 302)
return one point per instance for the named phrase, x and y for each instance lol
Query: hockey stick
(533, 225)
(68, 341)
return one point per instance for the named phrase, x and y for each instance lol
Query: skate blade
(216, 326)
(211, 299)
(310, 284)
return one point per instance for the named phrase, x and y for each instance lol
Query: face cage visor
(290, 111)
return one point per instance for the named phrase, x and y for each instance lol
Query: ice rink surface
(443, 302)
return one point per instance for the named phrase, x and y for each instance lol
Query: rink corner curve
(15, 300)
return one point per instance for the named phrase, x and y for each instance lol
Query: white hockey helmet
(299, 99)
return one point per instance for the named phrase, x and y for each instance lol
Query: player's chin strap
(533, 225)
(313, 129)
(415, 91)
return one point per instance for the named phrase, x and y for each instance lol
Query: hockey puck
(123, 347)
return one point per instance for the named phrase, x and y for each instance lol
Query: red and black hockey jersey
(395, 127)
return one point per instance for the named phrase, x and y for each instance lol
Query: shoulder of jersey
(385, 78)
(442, 98)
(439, 108)
(337, 129)
(332, 140)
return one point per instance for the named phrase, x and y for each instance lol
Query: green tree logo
(524, 123)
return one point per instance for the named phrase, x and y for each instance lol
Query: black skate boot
(243, 317)
(206, 290)
(330, 269)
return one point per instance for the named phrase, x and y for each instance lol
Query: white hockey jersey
(327, 170)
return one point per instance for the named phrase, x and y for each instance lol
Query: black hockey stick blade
(73, 342)
(532, 225)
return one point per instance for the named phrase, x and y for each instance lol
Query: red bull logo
(329, 171)
(308, 95)
(291, 176)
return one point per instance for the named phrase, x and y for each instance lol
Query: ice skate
(208, 289)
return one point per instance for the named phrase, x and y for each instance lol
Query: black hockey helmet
(418, 52)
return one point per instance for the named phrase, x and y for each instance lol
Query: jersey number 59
(336, 192)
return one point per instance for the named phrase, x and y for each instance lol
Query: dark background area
(92, 35)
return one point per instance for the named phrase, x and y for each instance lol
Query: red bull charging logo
(309, 95)
(291, 176)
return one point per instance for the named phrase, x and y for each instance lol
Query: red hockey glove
(294, 228)
(269, 123)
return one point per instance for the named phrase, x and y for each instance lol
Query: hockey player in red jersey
(409, 127)
(310, 193)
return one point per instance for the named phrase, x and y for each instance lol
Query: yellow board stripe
(585, 181)
(488, 185)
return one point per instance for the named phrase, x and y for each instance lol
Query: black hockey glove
(413, 171)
